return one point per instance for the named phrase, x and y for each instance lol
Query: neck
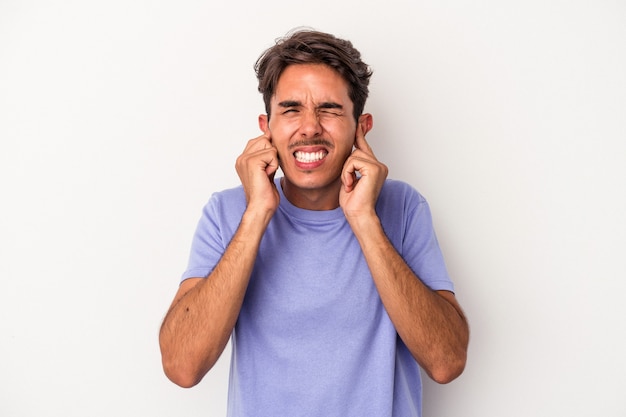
(326, 198)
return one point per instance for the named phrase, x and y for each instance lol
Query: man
(329, 280)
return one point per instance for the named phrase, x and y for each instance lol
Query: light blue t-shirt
(312, 337)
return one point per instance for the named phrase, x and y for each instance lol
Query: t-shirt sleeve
(207, 244)
(217, 225)
(420, 247)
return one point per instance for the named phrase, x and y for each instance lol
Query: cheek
(282, 133)
(343, 150)
(346, 140)
(347, 152)
(339, 127)
(282, 123)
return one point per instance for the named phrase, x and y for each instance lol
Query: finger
(348, 179)
(271, 163)
(348, 174)
(266, 138)
(259, 143)
(258, 155)
(360, 142)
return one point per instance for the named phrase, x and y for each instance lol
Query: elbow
(180, 375)
(185, 367)
(183, 381)
(182, 369)
(448, 370)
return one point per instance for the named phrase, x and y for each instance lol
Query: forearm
(432, 326)
(201, 319)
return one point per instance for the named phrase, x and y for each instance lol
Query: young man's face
(312, 126)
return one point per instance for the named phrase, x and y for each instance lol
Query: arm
(430, 323)
(197, 327)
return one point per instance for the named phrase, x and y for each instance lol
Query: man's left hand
(359, 193)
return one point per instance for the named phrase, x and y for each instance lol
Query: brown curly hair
(313, 47)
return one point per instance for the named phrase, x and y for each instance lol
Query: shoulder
(225, 207)
(231, 197)
(401, 207)
(397, 194)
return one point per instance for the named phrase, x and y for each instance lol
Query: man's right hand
(256, 168)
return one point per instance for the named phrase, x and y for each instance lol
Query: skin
(311, 114)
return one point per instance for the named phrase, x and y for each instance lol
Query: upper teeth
(309, 156)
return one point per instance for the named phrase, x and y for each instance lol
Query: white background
(119, 118)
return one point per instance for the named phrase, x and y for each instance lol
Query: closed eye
(335, 109)
(289, 106)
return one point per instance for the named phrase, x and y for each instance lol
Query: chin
(311, 181)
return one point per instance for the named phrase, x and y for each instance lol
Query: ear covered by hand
(359, 193)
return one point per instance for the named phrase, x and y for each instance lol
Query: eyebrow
(330, 105)
(324, 105)
(289, 103)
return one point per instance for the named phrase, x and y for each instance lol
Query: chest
(311, 279)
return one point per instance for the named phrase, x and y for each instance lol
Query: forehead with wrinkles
(307, 85)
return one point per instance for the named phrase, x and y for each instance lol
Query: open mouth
(309, 157)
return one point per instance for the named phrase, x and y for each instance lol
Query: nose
(310, 125)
